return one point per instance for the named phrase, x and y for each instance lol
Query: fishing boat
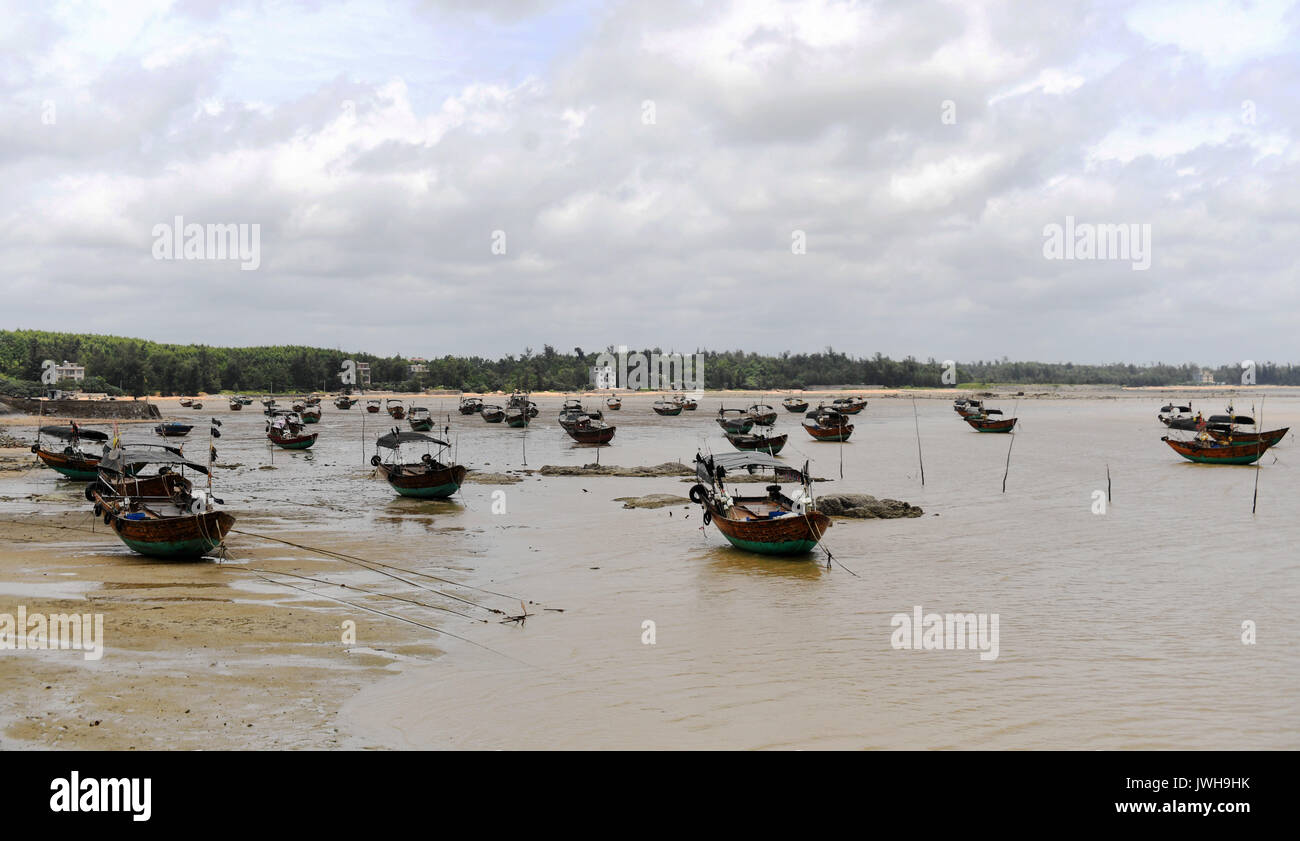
(186, 402)
(420, 419)
(689, 404)
(519, 400)
(735, 421)
(470, 405)
(827, 425)
(848, 405)
(1179, 417)
(517, 417)
(373, 406)
(1226, 428)
(298, 405)
(196, 405)
(123, 472)
(396, 410)
(572, 411)
(762, 414)
(586, 429)
(428, 478)
(312, 401)
(310, 414)
(344, 402)
(70, 460)
(770, 444)
(268, 402)
(773, 524)
(164, 516)
(1205, 450)
(247, 401)
(492, 413)
(287, 431)
(173, 429)
(667, 408)
(984, 423)
(236, 405)
(613, 403)
(795, 404)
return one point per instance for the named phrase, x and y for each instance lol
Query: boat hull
(78, 468)
(830, 433)
(791, 534)
(294, 442)
(1271, 438)
(1222, 454)
(1004, 425)
(421, 425)
(671, 412)
(415, 480)
(187, 537)
(764, 444)
(602, 435)
(795, 407)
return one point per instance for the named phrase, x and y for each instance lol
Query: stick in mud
(916, 419)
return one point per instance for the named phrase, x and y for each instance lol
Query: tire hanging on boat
(698, 494)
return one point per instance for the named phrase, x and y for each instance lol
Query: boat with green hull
(69, 461)
(287, 431)
(774, 524)
(428, 478)
(1206, 450)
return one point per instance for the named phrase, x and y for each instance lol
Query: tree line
(119, 365)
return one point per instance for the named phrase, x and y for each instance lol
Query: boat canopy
(395, 439)
(706, 466)
(1237, 419)
(1173, 408)
(70, 432)
(134, 455)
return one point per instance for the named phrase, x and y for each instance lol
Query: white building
(363, 374)
(69, 371)
(602, 377)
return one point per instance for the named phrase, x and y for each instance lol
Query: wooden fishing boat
(1180, 417)
(312, 401)
(848, 405)
(492, 413)
(735, 421)
(186, 402)
(298, 405)
(689, 404)
(517, 417)
(470, 405)
(311, 414)
(428, 478)
(344, 402)
(773, 524)
(268, 402)
(795, 404)
(172, 429)
(70, 460)
(667, 408)
(1206, 450)
(572, 412)
(236, 405)
(247, 401)
(373, 406)
(420, 419)
(396, 410)
(613, 403)
(762, 414)
(770, 444)
(196, 405)
(588, 430)
(984, 423)
(161, 516)
(519, 400)
(827, 425)
(288, 432)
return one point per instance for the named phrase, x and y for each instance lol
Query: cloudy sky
(650, 170)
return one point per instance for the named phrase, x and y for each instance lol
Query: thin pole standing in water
(919, 459)
(363, 436)
(1108, 497)
(1007, 472)
(1259, 442)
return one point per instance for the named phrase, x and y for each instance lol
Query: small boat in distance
(762, 414)
(373, 406)
(774, 524)
(236, 405)
(396, 409)
(572, 411)
(795, 404)
(470, 405)
(311, 414)
(735, 421)
(984, 423)
(689, 404)
(667, 408)
(345, 402)
(186, 402)
(172, 429)
(420, 419)
(588, 430)
(196, 405)
(761, 442)
(848, 405)
(519, 400)
(492, 413)
(70, 461)
(287, 431)
(613, 403)
(827, 425)
(1179, 417)
(517, 417)
(428, 478)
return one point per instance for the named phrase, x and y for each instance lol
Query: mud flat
(668, 468)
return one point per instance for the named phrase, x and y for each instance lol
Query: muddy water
(1116, 630)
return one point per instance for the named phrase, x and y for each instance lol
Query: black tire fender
(708, 517)
(375, 460)
(698, 494)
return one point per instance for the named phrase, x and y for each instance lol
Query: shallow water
(1118, 630)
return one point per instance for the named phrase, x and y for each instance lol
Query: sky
(477, 177)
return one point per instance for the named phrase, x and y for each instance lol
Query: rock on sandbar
(668, 468)
(865, 507)
(652, 501)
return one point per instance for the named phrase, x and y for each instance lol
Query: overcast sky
(649, 164)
